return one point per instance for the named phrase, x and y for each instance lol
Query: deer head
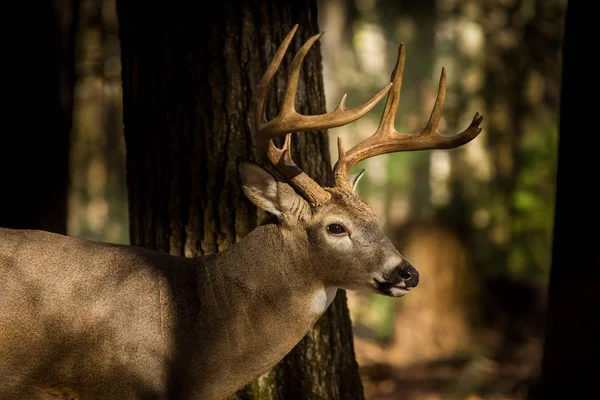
(345, 244)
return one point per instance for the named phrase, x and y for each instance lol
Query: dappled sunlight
(98, 196)
(371, 49)
(471, 39)
(440, 170)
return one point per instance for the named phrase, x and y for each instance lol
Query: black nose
(408, 274)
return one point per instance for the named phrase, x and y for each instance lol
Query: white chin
(398, 292)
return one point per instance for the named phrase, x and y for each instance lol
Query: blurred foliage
(496, 193)
(533, 203)
(464, 34)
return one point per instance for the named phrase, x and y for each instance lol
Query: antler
(387, 140)
(289, 120)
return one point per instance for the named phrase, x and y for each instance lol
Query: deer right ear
(260, 187)
(354, 178)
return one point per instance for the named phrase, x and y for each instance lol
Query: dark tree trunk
(189, 83)
(35, 155)
(572, 351)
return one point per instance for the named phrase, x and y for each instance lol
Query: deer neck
(259, 299)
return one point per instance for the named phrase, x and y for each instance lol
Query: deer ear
(261, 188)
(354, 178)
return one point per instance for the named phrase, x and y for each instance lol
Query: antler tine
(289, 120)
(387, 140)
(259, 116)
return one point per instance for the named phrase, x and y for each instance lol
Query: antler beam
(387, 140)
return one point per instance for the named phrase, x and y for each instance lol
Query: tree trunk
(571, 367)
(98, 192)
(35, 156)
(189, 83)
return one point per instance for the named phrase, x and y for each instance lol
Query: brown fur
(90, 320)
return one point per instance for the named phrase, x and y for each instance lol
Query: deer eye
(336, 229)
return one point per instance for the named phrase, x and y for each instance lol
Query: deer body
(114, 321)
(87, 320)
(126, 322)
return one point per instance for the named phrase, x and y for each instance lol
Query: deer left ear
(354, 178)
(261, 188)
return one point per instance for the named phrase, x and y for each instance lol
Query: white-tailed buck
(89, 320)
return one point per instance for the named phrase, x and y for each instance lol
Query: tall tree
(98, 192)
(189, 82)
(571, 353)
(35, 158)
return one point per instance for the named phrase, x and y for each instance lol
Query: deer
(83, 319)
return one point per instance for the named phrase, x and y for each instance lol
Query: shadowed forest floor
(511, 375)
(500, 359)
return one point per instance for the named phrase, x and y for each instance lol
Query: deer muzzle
(399, 281)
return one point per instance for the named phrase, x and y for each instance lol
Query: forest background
(477, 221)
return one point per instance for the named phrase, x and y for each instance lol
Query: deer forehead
(344, 202)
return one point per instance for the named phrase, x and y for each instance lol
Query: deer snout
(399, 281)
(407, 274)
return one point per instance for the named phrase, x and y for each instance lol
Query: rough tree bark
(34, 159)
(189, 82)
(571, 355)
